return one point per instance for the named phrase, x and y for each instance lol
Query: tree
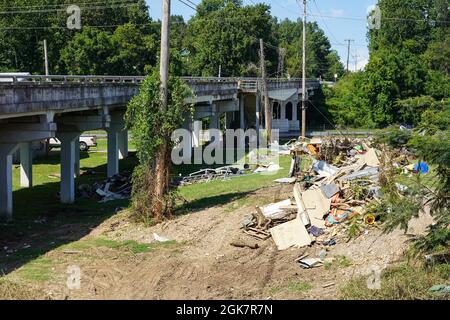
(133, 51)
(88, 53)
(225, 33)
(31, 21)
(152, 128)
(321, 61)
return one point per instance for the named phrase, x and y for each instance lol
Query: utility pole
(356, 60)
(45, 57)
(281, 56)
(348, 51)
(160, 164)
(164, 58)
(267, 109)
(304, 73)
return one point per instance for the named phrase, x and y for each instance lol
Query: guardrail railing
(246, 83)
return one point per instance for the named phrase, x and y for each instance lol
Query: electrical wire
(112, 6)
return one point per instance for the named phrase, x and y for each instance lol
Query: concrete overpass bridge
(35, 107)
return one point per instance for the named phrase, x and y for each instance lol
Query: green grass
(39, 269)
(129, 245)
(404, 282)
(219, 192)
(46, 225)
(299, 287)
(338, 262)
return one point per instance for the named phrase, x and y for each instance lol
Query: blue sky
(340, 20)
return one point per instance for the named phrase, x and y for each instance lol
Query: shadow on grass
(41, 224)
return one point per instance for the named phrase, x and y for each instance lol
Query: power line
(104, 2)
(112, 6)
(254, 38)
(383, 18)
(188, 5)
(325, 24)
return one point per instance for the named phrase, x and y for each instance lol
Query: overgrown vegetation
(430, 142)
(152, 128)
(408, 281)
(408, 70)
(122, 39)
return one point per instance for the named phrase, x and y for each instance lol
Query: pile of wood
(341, 180)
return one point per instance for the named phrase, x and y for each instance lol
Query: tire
(83, 146)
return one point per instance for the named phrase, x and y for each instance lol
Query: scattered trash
(209, 174)
(330, 242)
(290, 234)
(309, 263)
(440, 289)
(159, 238)
(421, 167)
(369, 219)
(315, 231)
(115, 188)
(329, 190)
(270, 168)
(323, 168)
(285, 180)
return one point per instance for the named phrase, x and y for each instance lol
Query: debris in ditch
(159, 238)
(209, 174)
(309, 263)
(116, 187)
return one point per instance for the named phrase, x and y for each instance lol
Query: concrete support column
(123, 144)
(283, 110)
(196, 129)
(241, 112)
(258, 112)
(294, 110)
(26, 165)
(76, 167)
(68, 145)
(6, 204)
(214, 122)
(113, 152)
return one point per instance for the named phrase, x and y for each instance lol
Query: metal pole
(348, 51)
(304, 72)
(267, 110)
(164, 58)
(45, 57)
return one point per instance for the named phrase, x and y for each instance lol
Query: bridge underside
(31, 112)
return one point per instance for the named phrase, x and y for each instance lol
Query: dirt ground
(203, 265)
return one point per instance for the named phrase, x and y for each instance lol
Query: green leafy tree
(152, 128)
(225, 33)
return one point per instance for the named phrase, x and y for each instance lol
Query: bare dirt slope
(203, 264)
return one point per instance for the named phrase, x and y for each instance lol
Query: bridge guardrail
(244, 83)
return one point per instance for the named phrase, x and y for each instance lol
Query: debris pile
(337, 186)
(115, 188)
(208, 174)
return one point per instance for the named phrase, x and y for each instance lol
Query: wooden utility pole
(161, 160)
(348, 51)
(164, 57)
(45, 57)
(356, 61)
(267, 109)
(304, 72)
